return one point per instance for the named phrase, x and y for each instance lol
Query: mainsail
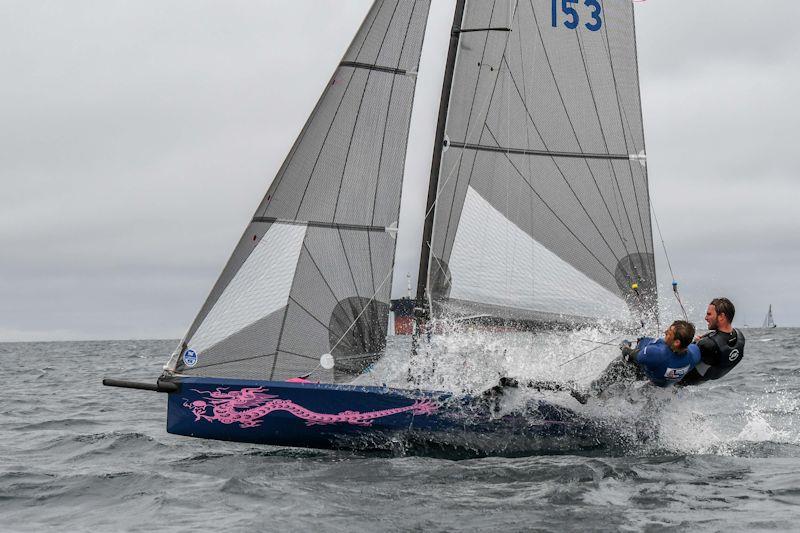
(540, 200)
(312, 273)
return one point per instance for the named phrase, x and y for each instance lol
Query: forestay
(542, 210)
(312, 273)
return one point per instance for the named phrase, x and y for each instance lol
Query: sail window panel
(393, 38)
(260, 287)
(496, 263)
(370, 184)
(453, 183)
(249, 240)
(254, 345)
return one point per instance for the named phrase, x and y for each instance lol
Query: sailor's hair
(684, 332)
(723, 305)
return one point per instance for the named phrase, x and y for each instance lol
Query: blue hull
(370, 419)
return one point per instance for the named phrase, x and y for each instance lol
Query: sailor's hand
(625, 344)
(627, 353)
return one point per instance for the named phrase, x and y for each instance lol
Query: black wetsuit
(719, 353)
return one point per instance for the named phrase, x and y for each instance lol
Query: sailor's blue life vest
(663, 366)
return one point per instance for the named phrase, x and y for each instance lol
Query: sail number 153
(570, 15)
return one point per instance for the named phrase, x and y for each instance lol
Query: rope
(669, 264)
(600, 345)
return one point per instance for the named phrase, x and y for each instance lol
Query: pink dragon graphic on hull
(250, 405)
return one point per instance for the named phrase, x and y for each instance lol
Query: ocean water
(76, 456)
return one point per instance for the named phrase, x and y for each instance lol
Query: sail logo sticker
(190, 358)
(734, 355)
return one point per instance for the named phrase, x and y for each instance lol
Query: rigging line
(362, 310)
(335, 115)
(569, 119)
(508, 143)
(669, 265)
(358, 113)
(469, 119)
(602, 345)
(528, 144)
(281, 173)
(622, 114)
(605, 143)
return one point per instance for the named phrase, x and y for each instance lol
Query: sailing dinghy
(537, 217)
(769, 321)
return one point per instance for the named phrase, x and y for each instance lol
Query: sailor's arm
(632, 354)
(708, 350)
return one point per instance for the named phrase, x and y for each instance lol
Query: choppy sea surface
(76, 456)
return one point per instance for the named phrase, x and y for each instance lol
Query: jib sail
(312, 273)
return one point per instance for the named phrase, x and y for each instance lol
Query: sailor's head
(719, 314)
(679, 335)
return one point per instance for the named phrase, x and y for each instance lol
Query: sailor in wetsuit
(663, 361)
(721, 348)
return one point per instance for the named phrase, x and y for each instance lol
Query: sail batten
(544, 153)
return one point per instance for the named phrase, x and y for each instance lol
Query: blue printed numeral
(572, 18)
(596, 9)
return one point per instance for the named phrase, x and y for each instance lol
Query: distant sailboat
(768, 320)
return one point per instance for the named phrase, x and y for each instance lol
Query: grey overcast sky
(137, 138)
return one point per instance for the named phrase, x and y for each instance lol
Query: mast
(438, 148)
